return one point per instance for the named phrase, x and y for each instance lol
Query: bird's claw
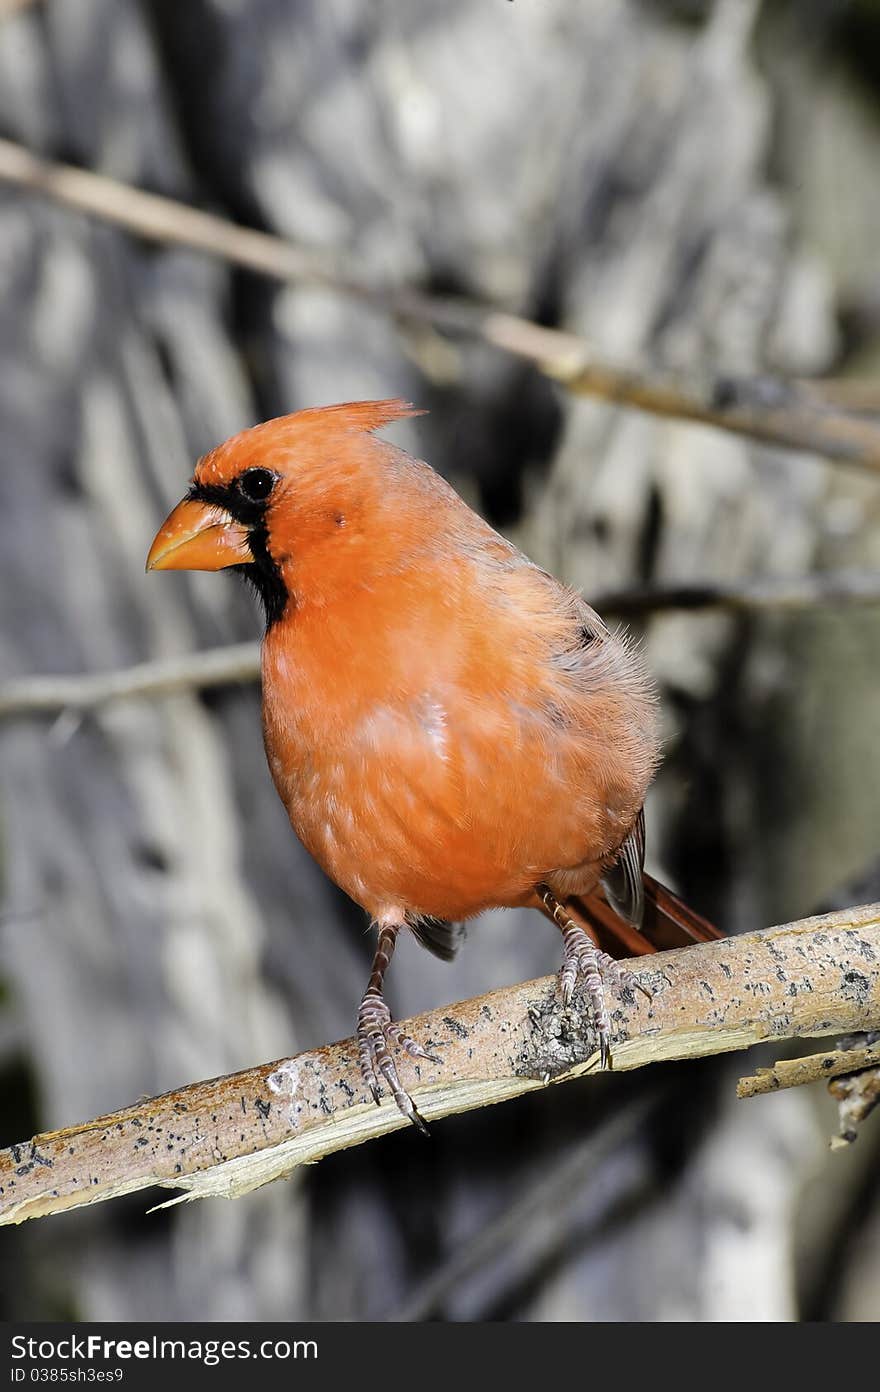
(584, 964)
(375, 1031)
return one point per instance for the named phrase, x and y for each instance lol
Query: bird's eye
(256, 484)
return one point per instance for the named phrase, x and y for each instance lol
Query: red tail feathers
(668, 922)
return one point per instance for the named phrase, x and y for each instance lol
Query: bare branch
(748, 595)
(225, 1137)
(786, 1073)
(217, 667)
(765, 408)
(11, 7)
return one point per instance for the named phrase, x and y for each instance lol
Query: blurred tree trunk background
(691, 185)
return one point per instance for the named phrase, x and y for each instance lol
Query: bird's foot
(375, 1031)
(585, 964)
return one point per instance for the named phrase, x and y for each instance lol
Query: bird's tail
(667, 922)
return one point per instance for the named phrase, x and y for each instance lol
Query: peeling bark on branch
(227, 1136)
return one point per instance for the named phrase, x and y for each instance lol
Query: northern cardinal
(450, 728)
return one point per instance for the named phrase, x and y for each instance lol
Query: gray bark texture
(654, 177)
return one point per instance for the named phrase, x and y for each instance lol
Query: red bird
(449, 727)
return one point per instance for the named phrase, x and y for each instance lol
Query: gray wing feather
(438, 936)
(623, 883)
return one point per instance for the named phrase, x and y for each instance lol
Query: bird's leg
(576, 910)
(376, 1030)
(583, 960)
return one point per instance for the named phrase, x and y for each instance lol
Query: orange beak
(199, 536)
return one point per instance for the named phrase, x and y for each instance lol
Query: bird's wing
(623, 882)
(438, 935)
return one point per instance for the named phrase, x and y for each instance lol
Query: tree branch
(765, 408)
(225, 1137)
(240, 662)
(750, 595)
(11, 7)
(852, 1072)
(786, 1073)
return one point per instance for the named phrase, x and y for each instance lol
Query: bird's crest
(363, 415)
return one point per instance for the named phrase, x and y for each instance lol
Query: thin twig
(11, 7)
(764, 408)
(786, 1073)
(241, 662)
(859, 394)
(748, 595)
(225, 1137)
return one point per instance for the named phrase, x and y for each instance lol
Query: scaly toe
(585, 965)
(415, 1050)
(375, 1031)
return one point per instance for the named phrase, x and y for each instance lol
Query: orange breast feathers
(446, 724)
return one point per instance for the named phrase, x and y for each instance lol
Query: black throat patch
(263, 572)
